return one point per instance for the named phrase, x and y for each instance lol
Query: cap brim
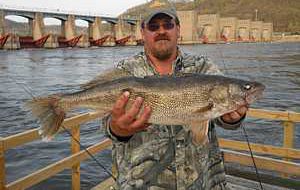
(149, 17)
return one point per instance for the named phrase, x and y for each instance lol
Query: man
(164, 157)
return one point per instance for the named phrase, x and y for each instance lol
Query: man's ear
(142, 33)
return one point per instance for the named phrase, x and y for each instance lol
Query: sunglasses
(153, 27)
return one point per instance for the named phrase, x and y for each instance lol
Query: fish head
(232, 94)
(248, 91)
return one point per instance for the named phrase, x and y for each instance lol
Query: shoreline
(275, 39)
(286, 38)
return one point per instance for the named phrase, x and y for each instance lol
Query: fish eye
(247, 86)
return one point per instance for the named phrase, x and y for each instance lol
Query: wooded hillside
(284, 14)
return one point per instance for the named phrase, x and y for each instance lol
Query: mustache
(161, 37)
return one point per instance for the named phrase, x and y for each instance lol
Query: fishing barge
(281, 160)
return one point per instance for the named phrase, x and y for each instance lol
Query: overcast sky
(99, 7)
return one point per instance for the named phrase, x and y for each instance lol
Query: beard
(163, 48)
(162, 53)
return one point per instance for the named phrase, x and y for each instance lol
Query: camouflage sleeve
(230, 126)
(210, 68)
(105, 127)
(122, 65)
(130, 64)
(200, 64)
(108, 133)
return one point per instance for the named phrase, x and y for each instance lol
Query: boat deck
(234, 183)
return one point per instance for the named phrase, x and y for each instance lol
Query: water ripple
(45, 72)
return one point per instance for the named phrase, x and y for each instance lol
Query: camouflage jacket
(164, 157)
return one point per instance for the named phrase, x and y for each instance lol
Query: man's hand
(236, 115)
(125, 124)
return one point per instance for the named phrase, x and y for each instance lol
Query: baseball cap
(160, 7)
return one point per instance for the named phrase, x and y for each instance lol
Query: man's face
(160, 36)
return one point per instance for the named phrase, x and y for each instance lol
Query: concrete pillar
(111, 40)
(12, 42)
(52, 41)
(267, 32)
(131, 32)
(113, 30)
(119, 29)
(2, 23)
(138, 34)
(69, 27)
(38, 26)
(188, 23)
(84, 41)
(90, 29)
(95, 31)
(209, 27)
(127, 29)
(228, 28)
(243, 30)
(30, 27)
(63, 29)
(256, 31)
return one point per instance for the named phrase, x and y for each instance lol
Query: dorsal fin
(108, 75)
(173, 75)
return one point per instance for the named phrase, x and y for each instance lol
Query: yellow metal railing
(286, 152)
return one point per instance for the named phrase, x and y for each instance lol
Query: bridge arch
(18, 24)
(82, 26)
(53, 25)
(52, 21)
(16, 18)
(28, 15)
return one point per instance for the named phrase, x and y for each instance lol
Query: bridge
(123, 31)
(195, 28)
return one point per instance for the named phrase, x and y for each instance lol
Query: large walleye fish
(175, 100)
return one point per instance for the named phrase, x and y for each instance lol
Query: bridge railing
(286, 166)
(52, 10)
(287, 152)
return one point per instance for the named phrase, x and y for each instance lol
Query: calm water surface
(44, 72)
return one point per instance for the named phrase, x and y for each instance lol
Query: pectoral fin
(200, 132)
(205, 108)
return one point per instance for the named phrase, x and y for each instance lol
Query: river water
(43, 72)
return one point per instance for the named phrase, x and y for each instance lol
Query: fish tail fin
(49, 114)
